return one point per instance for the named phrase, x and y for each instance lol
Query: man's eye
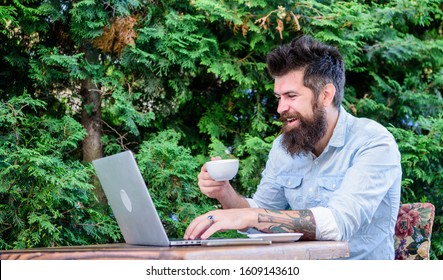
(292, 95)
(277, 97)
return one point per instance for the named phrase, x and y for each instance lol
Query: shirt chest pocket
(289, 181)
(326, 188)
(330, 183)
(291, 186)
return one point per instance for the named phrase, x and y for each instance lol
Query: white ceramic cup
(223, 169)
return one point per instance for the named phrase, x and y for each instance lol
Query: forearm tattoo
(275, 221)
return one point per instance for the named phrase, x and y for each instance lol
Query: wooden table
(301, 250)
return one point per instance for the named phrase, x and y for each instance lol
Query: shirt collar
(339, 134)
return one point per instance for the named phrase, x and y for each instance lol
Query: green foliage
(422, 169)
(46, 197)
(52, 66)
(7, 14)
(88, 17)
(191, 84)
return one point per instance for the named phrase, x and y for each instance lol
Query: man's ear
(327, 96)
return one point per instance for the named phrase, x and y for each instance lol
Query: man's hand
(210, 187)
(220, 220)
(222, 191)
(264, 220)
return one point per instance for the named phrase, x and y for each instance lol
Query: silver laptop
(134, 210)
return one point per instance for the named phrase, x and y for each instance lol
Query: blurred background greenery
(180, 81)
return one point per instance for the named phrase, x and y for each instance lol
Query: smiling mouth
(290, 120)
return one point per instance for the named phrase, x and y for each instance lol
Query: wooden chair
(412, 239)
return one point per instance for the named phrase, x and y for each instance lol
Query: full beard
(302, 139)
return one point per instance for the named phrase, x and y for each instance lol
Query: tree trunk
(91, 119)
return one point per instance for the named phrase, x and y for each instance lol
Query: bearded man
(329, 175)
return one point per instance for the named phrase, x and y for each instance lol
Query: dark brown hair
(321, 63)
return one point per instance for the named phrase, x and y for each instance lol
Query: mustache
(285, 116)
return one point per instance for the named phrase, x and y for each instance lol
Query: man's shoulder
(364, 132)
(365, 126)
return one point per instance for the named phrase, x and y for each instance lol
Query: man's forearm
(275, 221)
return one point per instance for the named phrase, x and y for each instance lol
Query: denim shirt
(357, 177)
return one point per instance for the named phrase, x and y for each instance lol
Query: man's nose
(282, 106)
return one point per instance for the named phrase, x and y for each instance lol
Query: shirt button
(289, 183)
(316, 162)
(333, 186)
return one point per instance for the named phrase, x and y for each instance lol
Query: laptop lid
(130, 201)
